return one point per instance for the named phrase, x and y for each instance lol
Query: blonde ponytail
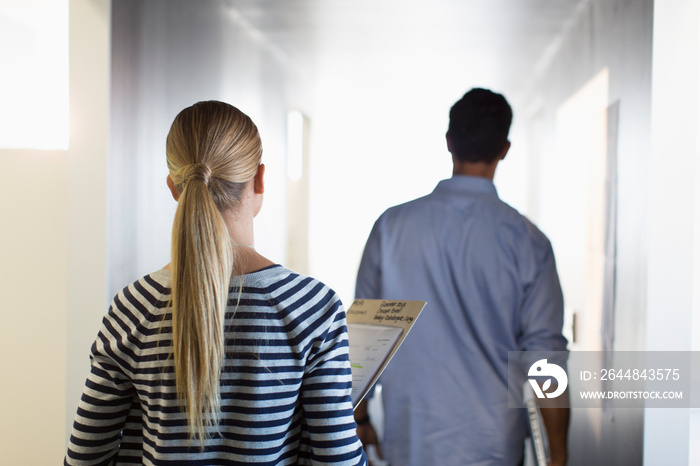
(213, 149)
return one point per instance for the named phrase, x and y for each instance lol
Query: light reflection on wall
(578, 221)
(34, 77)
(297, 191)
(295, 145)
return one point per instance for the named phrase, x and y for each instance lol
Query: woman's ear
(259, 180)
(258, 189)
(173, 188)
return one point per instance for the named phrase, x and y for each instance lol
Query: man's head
(479, 125)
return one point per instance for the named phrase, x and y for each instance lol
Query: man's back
(490, 281)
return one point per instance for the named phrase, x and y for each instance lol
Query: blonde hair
(212, 150)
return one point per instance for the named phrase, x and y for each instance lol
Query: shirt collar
(465, 184)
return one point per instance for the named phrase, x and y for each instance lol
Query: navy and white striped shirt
(285, 386)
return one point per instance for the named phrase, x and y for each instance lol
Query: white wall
(86, 176)
(673, 436)
(33, 310)
(53, 280)
(613, 39)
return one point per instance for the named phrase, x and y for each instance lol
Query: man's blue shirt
(490, 280)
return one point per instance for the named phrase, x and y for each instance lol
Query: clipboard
(376, 329)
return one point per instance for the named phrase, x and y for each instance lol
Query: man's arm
(542, 321)
(555, 415)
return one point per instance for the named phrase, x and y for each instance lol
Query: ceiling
(496, 40)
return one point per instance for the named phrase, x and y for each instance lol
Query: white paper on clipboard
(370, 346)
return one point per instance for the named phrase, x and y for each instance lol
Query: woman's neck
(240, 227)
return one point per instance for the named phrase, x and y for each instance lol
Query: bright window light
(34, 78)
(295, 145)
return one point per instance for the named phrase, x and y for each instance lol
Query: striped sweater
(285, 386)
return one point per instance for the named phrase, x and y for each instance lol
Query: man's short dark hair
(479, 125)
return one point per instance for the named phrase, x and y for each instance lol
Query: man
(491, 284)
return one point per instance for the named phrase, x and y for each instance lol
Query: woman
(222, 357)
